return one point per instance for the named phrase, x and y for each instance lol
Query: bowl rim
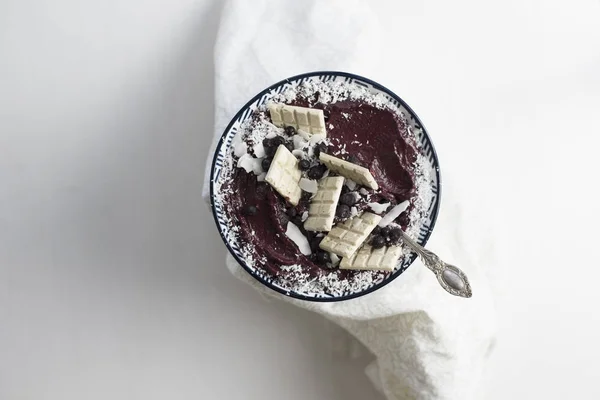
(413, 256)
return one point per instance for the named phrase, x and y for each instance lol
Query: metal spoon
(451, 278)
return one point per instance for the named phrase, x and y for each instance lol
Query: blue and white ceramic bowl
(223, 150)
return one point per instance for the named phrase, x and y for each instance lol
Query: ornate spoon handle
(451, 278)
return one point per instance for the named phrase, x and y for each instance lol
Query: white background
(112, 281)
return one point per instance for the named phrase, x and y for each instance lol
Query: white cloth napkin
(427, 343)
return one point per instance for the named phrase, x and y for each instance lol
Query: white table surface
(112, 282)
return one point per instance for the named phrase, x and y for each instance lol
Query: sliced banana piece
(345, 238)
(358, 174)
(369, 258)
(322, 206)
(284, 175)
(309, 120)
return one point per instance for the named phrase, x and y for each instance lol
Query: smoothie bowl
(313, 179)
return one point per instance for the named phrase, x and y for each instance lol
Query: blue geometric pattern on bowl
(423, 140)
